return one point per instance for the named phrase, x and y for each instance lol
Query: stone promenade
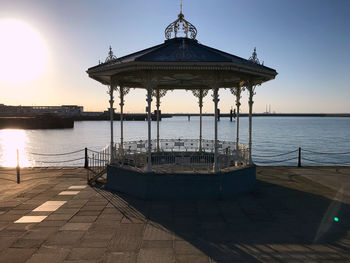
(53, 216)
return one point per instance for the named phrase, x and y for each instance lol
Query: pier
(38, 122)
(90, 223)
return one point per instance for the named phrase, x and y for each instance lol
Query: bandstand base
(180, 185)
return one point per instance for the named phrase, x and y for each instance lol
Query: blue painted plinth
(180, 186)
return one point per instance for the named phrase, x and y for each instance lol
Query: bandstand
(181, 168)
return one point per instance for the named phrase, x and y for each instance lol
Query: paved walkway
(289, 218)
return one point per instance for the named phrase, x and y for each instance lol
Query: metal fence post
(18, 169)
(86, 164)
(299, 157)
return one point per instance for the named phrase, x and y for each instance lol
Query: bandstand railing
(96, 162)
(181, 155)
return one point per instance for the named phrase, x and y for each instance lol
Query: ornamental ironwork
(111, 56)
(180, 25)
(254, 57)
(159, 93)
(200, 94)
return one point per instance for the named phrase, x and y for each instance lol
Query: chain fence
(174, 154)
(304, 157)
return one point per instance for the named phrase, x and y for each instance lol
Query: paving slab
(86, 253)
(76, 226)
(77, 187)
(30, 219)
(42, 258)
(83, 219)
(13, 255)
(27, 243)
(50, 206)
(69, 193)
(121, 257)
(65, 238)
(192, 258)
(155, 255)
(125, 243)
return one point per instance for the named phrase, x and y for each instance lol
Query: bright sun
(22, 52)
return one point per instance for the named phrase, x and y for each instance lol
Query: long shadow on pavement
(273, 223)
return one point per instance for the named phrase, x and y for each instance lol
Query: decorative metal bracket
(122, 92)
(200, 94)
(236, 91)
(158, 93)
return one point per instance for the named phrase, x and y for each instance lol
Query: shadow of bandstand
(274, 223)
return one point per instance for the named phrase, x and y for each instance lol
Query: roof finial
(110, 55)
(180, 25)
(254, 57)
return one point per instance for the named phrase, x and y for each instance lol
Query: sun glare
(22, 52)
(10, 141)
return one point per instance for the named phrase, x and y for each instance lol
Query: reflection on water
(10, 141)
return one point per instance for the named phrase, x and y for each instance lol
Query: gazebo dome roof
(181, 54)
(181, 50)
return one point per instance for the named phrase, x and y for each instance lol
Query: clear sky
(306, 41)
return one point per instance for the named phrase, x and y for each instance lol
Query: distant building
(17, 111)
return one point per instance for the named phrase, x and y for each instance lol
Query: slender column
(111, 113)
(121, 96)
(157, 104)
(238, 104)
(200, 94)
(149, 152)
(200, 118)
(216, 100)
(251, 94)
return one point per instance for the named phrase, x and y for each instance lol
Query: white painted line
(50, 206)
(69, 193)
(77, 187)
(30, 219)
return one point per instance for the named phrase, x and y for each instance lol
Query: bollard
(18, 169)
(299, 157)
(86, 164)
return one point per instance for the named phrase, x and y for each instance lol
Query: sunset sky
(46, 47)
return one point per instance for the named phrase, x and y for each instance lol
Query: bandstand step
(96, 176)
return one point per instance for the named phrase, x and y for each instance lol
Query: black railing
(96, 161)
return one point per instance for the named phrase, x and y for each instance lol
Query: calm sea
(271, 136)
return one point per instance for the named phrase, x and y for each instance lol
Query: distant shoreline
(143, 117)
(270, 114)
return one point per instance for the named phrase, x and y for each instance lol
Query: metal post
(157, 104)
(238, 104)
(200, 118)
(111, 113)
(251, 94)
(216, 100)
(121, 148)
(18, 169)
(299, 157)
(86, 163)
(149, 152)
